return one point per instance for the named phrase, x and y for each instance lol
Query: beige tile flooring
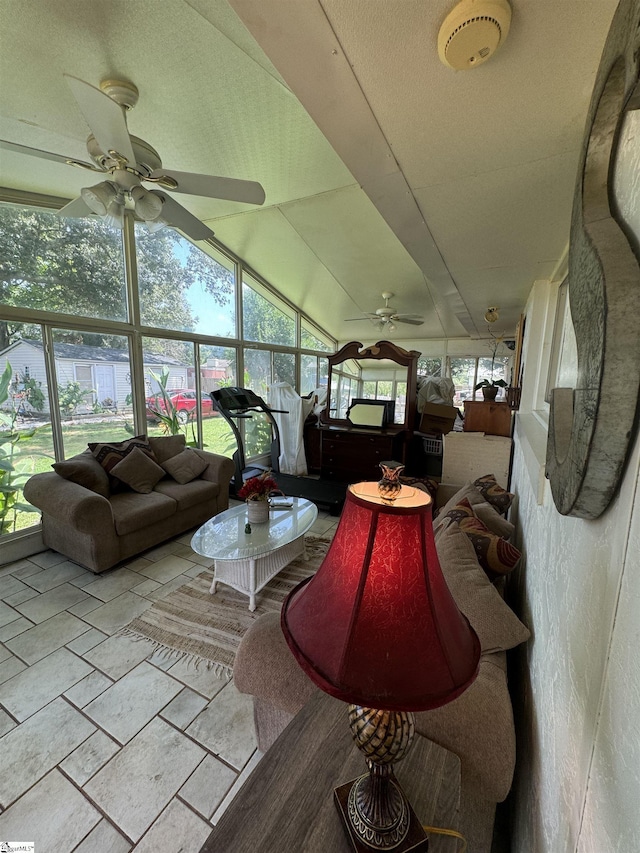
(105, 748)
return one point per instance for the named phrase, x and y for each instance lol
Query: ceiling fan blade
(411, 320)
(230, 189)
(45, 155)
(104, 116)
(177, 215)
(76, 209)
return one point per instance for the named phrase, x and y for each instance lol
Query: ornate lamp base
(365, 839)
(375, 812)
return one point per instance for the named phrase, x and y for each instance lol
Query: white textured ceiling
(383, 169)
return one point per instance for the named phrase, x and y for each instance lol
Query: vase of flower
(257, 512)
(256, 492)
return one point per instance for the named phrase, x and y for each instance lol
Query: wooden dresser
(353, 455)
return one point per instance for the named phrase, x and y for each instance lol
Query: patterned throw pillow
(109, 454)
(493, 493)
(496, 556)
(138, 471)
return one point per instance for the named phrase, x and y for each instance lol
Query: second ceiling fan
(386, 317)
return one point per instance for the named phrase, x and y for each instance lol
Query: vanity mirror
(383, 374)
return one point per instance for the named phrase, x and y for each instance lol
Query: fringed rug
(206, 629)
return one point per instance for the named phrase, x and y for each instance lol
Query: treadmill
(241, 403)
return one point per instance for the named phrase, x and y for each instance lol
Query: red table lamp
(377, 627)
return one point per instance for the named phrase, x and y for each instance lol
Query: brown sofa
(97, 520)
(477, 726)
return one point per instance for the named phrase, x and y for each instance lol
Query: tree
(76, 266)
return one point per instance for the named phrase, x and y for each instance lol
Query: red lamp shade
(376, 625)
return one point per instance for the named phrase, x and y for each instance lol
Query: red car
(184, 402)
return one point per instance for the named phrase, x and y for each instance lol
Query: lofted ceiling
(383, 169)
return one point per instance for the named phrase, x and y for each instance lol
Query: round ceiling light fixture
(472, 32)
(491, 315)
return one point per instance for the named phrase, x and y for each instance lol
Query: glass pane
(323, 372)
(264, 317)
(385, 390)
(493, 369)
(308, 374)
(312, 338)
(257, 371)
(463, 376)
(181, 287)
(401, 402)
(26, 444)
(429, 366)
(217, 370)
(170, 388)
(284, 368)
(93, 373)
(257, 429)
(73, 266)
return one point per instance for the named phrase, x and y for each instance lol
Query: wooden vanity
(345, 452)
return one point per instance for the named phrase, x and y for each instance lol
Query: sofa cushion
(138, 471)
(497, 626)
(166, 446)
(189, 494)
(110, 453)
(85, 470)
(493, 493)
(494, 521)
(132, 511)
(495, 554)
(185, 466)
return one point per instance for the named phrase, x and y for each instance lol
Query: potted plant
(490, 387)
(256, 492)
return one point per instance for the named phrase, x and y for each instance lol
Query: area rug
(205, 630)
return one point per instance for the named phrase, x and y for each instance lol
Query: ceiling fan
(127, 162)
(387, 317)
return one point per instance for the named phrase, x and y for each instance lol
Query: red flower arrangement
(258, 488)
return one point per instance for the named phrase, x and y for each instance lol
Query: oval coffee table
(248, 561)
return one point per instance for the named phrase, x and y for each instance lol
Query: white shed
(103, 371)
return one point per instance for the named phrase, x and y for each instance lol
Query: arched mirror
(372, 387)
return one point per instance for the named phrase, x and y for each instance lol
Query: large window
(466, 373)
(266, 319)
(94, 389)
(68, 266)
(100, 373)
(182, 288)
(26, 443)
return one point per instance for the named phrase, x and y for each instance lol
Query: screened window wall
(89, 351)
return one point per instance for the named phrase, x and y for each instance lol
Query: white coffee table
(248, 561)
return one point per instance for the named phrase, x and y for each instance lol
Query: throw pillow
(166, 446)
(86, 471)
(497, 626)
(469, 492)
(109, 454)
(495, 522)
(138, 471)
(186, 466)
(493, 493)
(495, 555)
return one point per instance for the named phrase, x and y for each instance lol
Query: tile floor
(105, 748)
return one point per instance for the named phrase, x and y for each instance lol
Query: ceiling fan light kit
(386, 317)
(472, 32)
(127, 161)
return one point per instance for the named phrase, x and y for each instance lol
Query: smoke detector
(472, 32)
